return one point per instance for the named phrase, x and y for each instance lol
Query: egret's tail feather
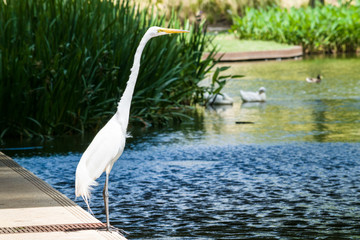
(83, 185)
(88, 205)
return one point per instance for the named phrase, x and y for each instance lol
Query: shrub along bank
(65, 64)
(321, 29)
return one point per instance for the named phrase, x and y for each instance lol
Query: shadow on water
(319, 114)
(291, 174)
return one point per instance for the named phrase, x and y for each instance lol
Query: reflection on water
(336, 120)
(292, 174)
(295, 110)
(286, 80)
(282, 191)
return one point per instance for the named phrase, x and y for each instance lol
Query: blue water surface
(294, 173)
(255, 191)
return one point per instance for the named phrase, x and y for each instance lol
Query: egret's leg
(106, 201)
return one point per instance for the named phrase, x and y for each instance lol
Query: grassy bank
(230, 43)
(321, 29)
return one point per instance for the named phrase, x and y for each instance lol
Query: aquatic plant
(323, 28)
(64, 65)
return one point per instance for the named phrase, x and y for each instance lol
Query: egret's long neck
(123, 109)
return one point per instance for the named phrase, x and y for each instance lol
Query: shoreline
(289, 53)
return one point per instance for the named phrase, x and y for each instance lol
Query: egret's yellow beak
(168, 30)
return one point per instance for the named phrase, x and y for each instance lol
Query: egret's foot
(115, 229)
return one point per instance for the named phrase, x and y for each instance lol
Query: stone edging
(293, 52)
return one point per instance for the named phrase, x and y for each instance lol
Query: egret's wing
(101, 154)
(104, 150)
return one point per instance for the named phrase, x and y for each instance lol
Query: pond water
(292, 174)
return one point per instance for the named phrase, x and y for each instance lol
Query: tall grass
(323, 28)
(64, 65)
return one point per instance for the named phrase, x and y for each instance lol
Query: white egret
(314, 80)
(109, 142)
(258, 96)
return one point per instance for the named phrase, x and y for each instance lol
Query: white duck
(218, 99)
(259, 96)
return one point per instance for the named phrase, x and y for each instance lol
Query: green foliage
(323, 28)
(64, 65)
(218, 81)
(214, 11)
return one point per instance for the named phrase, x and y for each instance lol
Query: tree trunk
(312, 3)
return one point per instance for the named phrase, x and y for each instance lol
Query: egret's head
(159, 31)
(262, 90)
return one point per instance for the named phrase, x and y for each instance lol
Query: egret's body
(108, 144)
(258, 96)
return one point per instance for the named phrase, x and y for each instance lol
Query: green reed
(320, 29)
(64, 65)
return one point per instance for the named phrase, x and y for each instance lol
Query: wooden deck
(31, 209)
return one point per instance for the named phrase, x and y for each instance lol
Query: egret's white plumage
(100, 156)
(258, 96)
(108, 144)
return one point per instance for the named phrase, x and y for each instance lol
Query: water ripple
(286, 191)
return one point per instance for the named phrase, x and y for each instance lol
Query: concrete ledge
(27, 202)
(293, 52)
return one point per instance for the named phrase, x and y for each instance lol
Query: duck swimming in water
(218, 99)
(314, 80)
(258, 96)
